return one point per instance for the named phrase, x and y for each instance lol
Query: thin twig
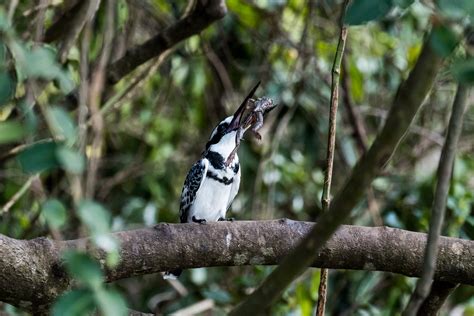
(17, 195)
(77, 187)
(84, 86)
(218, 66)
(334, 102)
(95, 95)
(39, 25)
(137, 81)
(439, 205)
(11, 9)
(17, 149)
(133, 171)
(67, 28)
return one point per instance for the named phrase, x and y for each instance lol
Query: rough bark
(32, 273)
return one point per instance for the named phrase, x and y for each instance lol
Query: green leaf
(357, 82)
(443, 40)
(110, 302)
(40, 62)
(10, 132)
(70, 160)
(315, 280)
(106, 242)
(62, 125)
(3, 52)
(95, 217)
(218, 295)
(39, 157)
(74, 303)
(83, 268)
(4, 23)
(113, 258)
(463, 71)
(7, 87)
(55, 213)
(363, 11)
(457, 9)
(303, 299)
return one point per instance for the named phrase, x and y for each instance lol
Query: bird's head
(223, 136)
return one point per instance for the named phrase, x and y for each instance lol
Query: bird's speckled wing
(192, 184)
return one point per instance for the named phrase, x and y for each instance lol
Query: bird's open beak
(237, 118)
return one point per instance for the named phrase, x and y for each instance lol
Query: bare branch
(95, 95)
(334, 102)
(202, 15)
(35, 266)
(440, 291)
(439, 205)
(67, 28)
(11, 10)
(407, 102)
(18, 195)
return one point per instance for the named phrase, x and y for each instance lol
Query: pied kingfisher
(213, 181)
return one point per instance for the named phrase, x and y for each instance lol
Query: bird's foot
(199, 221)
(222, 219)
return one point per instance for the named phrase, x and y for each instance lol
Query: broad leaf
(40, 62)
(7, 87)
(39, 157)
(457, 9)
(363, 11)
(55, 213)
(84, 269)
(74, 303)
(70, 160)
(110, 302)
(95, 217)
(443, 40)
(10, 132)
(62, 124)
(463, 71)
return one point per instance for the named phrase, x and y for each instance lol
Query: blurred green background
(151, 133)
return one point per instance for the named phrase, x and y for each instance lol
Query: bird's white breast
(213, 197)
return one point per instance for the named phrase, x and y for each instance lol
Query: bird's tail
(172, 275)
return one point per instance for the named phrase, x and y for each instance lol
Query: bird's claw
(222, 219)
(199, 221)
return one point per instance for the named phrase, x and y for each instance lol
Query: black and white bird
(213, 181)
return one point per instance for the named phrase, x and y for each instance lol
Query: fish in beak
(237, 117)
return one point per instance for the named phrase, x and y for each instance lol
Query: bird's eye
(224, 126)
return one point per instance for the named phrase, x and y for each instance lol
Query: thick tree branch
(439, 204)
(435, 300)
(407, 102)
(34, 266)
(204, 13)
